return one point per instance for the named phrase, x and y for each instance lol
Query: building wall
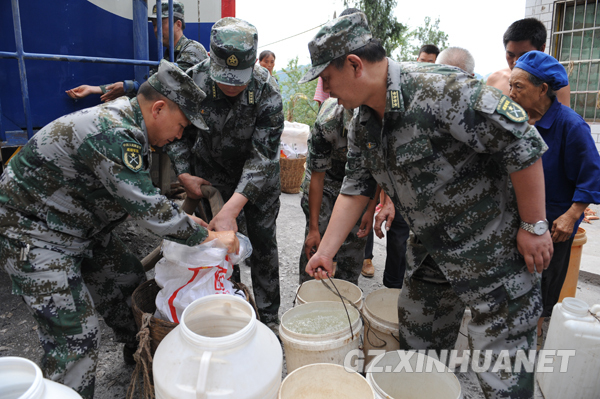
(544, 11)
(596, 134)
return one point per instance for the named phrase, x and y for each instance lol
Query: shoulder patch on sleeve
(132, 155)
(511, 110)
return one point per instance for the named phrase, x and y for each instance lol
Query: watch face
(540, 227)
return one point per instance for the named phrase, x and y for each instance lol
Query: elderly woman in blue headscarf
(571, 164)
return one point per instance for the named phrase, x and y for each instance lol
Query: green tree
(382, 22)
(428, 33)
(298, 103)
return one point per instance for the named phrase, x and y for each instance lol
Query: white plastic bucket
(218, 350)
(315, 291)
(577, 333)
(303, 349)
(426, 378)
(381, 322)
(325, 381)
(22, 379)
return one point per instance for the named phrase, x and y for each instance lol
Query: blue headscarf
(544, 67)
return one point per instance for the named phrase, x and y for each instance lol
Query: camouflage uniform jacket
(240, 151)
(328, 146)
(187, 53)
(444, 154)
(82, 175)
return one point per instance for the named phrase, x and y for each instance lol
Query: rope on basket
(143, 362)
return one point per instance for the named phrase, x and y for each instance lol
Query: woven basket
(143, 301)
(292, 171)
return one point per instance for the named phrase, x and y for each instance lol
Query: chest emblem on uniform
(513, 111)
(132, 156)
(232, 61)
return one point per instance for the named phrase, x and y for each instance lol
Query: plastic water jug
(22, 379)
(218, 350)
(572, 351)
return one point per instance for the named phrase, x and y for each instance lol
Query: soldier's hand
(199, 221)
(386, 214)
(318, 265)
(227, 238)
(311, 244)
(83, 91)
(192, 185)
(537, 250)
(366, 224)
(114, 90)
(223, 221)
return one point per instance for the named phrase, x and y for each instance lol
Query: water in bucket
(309, 337)
(318, 321)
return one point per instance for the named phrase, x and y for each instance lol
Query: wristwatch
(539, 228)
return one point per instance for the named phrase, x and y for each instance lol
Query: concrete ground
(18, 335)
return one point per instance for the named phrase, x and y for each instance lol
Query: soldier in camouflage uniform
(461, 165)
(60, 198)
(239, 153)
(325, 170)
(186, 54)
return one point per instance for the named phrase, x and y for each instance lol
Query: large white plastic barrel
(381, 322)
(315, 291)
(426, 378)
(571, 374)
(22, 379)
(218, 350)
(325, 381)
(302, 349)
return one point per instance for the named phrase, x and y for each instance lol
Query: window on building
(576, 44)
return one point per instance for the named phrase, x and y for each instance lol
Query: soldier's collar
(394, 102)
(247, 97)
(139, 120)
(137, 111)
(182, 40)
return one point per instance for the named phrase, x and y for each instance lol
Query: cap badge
(232, 61)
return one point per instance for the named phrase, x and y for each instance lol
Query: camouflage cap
(177, 10)
(336, 38)
(233, 44)
(173, 83)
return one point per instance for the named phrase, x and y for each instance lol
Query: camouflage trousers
(62, 292)
(349, 257)
(430, 314)
(261, 229)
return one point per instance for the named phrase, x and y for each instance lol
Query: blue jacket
(572, 162)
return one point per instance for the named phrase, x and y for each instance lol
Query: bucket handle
(360, 313)
(203, 375)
